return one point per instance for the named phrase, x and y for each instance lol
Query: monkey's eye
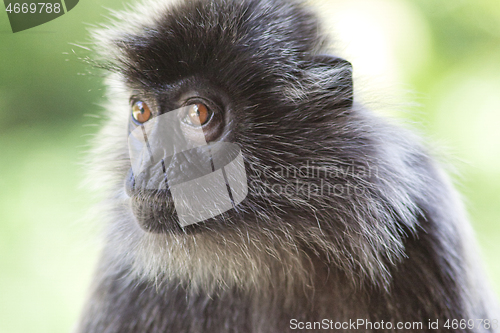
(141, 112)
(197, 115)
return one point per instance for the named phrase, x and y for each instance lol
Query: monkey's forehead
(228, 39)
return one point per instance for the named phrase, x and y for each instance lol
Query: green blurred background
(436, 64)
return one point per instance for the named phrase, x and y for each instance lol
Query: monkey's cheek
(155, 215)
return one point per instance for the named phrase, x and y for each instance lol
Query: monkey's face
(183, 168)
(237, 93)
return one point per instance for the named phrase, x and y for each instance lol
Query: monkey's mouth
(154, 210)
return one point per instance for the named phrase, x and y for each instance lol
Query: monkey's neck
(124, 303)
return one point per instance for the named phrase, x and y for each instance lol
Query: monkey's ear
(342, 83)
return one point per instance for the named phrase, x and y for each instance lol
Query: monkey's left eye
(141, 112)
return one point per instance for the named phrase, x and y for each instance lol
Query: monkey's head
(255, 75)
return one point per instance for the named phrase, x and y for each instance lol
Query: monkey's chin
(155, 212)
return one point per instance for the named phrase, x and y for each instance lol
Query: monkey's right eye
(140, 112)
(198, 115)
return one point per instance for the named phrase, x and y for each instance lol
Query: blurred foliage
(47, 252)
(47, 248)
(461, 83)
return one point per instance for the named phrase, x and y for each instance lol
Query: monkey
(338, 219)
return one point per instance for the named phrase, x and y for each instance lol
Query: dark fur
(395, 250)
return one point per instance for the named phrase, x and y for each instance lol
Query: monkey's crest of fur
(260, 52)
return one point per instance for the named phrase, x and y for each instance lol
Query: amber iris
(141, 112)
(198, 114)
